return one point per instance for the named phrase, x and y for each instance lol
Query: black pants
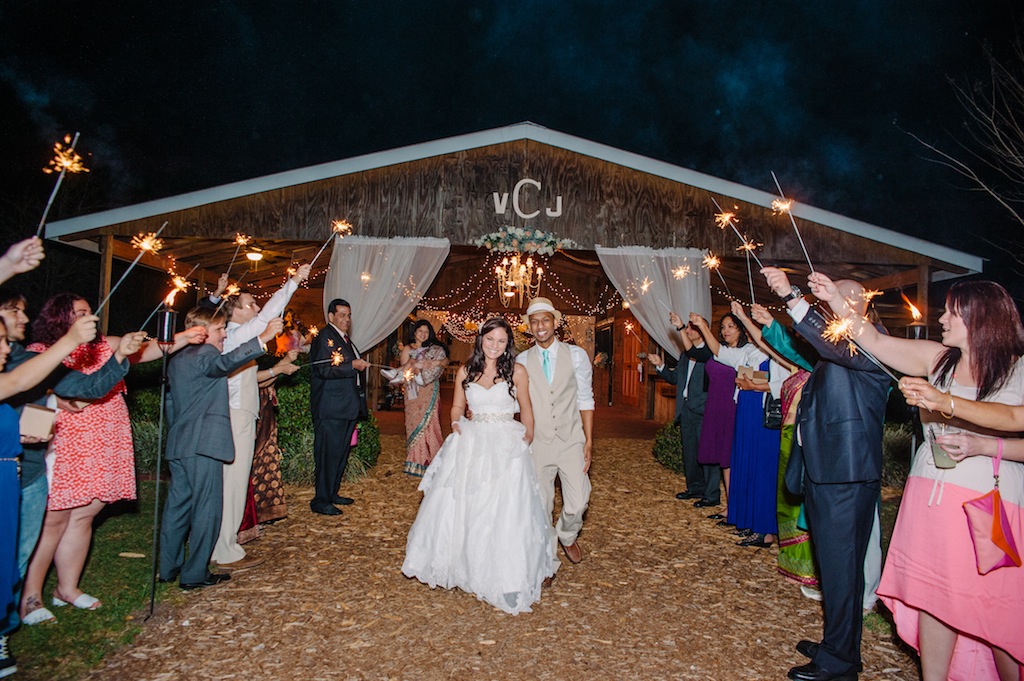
(332, 441)
(689, 436)
(840, 517)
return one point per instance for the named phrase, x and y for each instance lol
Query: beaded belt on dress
(493, 417)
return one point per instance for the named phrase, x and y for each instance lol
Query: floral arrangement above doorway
(523, 240)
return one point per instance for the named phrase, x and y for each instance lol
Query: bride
(481, 526)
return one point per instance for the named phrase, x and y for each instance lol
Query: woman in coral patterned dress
(425, 358)
(93, 462)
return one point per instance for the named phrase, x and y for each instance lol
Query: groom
(563, 406)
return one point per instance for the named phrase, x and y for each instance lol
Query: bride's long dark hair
(506, 363)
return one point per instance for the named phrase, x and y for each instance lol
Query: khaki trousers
(236, 487)
(564, 459)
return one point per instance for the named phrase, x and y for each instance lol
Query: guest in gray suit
(199, 443)
(691, 395)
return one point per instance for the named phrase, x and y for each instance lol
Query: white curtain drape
(383, 280)
(656, 281)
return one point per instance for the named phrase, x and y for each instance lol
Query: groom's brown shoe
(573, 552)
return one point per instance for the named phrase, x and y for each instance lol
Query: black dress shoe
(211, 580)
(325, 510)
(169, 578)
(716, 516)
(683, 496)
(807, 648)
(344, 501)
(812, 672)
(705, 503)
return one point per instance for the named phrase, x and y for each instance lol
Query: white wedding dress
(481, 526)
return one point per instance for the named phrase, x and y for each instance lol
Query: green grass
(80, 639)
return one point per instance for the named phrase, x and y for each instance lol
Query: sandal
(744, 533)
(755, 540)
(40, 615)
(83, 602)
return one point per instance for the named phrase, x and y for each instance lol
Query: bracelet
(271, 371)
(952, 408)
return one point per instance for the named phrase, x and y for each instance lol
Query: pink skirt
(931, 567)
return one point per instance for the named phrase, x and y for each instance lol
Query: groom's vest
(555, 412)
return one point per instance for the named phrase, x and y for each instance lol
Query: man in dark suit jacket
(839, 439)
(338, 401)
(691, 396)
(199, 443)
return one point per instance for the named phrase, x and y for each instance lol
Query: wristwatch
(793, 294)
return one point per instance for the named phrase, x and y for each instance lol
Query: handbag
(994, 546)
(772, 412)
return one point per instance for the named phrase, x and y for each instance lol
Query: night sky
(173, 97)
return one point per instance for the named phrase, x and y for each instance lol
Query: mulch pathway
(662, 593)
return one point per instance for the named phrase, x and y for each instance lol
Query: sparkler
(149, 243)
(750, 276)
(629, 329)
(240, 240)
(180, 285)
(314, 331)
(839, 329)
(65, 161)
(335, 359)
(681, 272)
(232, 290)
(784, 205)
(340, 229)
(667, 308)
(713, 262)
(723, 219)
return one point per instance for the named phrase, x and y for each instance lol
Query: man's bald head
(854, 295)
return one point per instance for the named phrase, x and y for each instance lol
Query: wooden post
(106, 272)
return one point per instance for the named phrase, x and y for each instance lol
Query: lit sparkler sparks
(240, 240)
(842, 330)
(728, 219)
(65, 161)
(339, 229)
(629, 329)
(232, 290)
(148, 243)
(785, 205)
(681, 272)
(314, 331)
(645, 284)
(336, 359)
(713, 262)
(868, 296)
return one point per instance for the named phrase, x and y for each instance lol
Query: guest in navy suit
(839, 442)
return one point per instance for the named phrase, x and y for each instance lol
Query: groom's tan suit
(558, 436)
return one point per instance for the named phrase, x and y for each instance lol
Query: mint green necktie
(546, 363)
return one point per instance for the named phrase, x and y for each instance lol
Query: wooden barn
(455, 191)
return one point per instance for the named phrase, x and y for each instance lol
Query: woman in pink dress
(964, 625)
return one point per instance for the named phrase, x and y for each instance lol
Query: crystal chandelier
(517, 279)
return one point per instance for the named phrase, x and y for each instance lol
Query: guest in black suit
(199, 443)
(839, 441)
(691, 395)
(338, 401)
